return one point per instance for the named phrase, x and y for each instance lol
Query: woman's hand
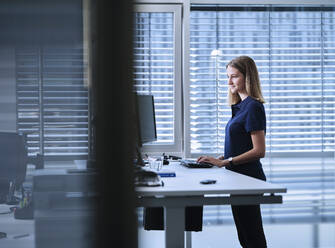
(221, 157)
(214, 161)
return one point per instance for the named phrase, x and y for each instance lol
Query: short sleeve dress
(247, 116)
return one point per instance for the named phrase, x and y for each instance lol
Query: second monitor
(146, 118)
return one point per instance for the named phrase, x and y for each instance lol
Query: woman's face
(236, 80)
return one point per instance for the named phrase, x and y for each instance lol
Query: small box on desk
(162, 172)
(166, 173)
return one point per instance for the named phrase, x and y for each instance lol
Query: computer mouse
(208, 181)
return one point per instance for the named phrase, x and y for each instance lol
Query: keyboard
(195, 164)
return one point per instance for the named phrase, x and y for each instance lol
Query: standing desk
(185, 190)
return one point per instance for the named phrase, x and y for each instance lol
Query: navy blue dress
(247, 116)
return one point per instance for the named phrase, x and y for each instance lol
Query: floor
(278, 236)
(20, 234)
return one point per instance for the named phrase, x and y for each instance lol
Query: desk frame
(184, 191)
(174, 214)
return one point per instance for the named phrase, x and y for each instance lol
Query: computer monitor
(146, 123)
(146, 118)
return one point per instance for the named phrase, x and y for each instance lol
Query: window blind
(52, 101)
(154, 67)
(293, 48)
(294, 51)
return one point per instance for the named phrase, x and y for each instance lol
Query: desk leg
(188, 240)
(174, 227)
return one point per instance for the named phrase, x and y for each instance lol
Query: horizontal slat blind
(154, 67)
(298, 99)
(294, 49)
(216, 38)
(52, 101)
(294, 52)
(28, 97)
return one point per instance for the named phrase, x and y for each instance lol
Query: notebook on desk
(194, 164)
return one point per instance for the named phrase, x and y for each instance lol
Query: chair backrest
(13, 157)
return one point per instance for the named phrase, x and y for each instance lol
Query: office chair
(13, 165)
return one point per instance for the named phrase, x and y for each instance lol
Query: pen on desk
(21, 236)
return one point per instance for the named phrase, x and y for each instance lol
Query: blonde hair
(247, 67)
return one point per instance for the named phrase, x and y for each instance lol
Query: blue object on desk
(166, 173)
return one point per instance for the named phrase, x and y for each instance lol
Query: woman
(245, 143)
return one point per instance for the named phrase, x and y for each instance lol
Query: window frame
(176, 9)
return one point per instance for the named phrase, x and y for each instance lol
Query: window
(294, 51)
(50, 76)
(293, 48)
(157, 69)
(52, 101)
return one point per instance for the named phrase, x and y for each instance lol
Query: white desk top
(187, 182)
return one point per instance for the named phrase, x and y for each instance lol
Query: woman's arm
(258, 151)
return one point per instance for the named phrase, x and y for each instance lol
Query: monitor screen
(146, 118)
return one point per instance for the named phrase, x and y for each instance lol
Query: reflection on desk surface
(187, 182)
